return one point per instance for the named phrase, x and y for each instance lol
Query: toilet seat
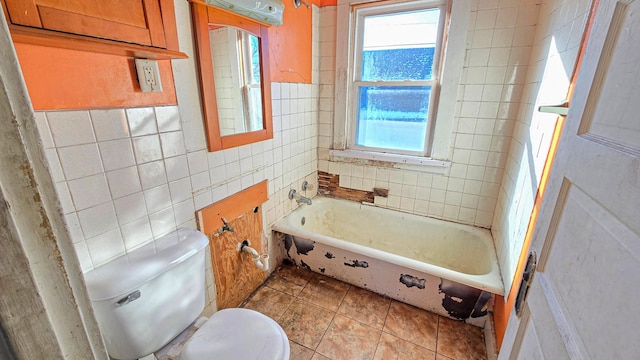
(237, 334)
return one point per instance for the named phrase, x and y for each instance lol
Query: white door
(584, 301)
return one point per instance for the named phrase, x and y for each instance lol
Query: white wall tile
(168, 118)
(142, 121)
(136, 233)
(147, 148)
(152, 174)
(176, 167)
(97, 220)
(184, 211)
(43, 129)
(198, 162)
(130, 208)
(172, 144)
(105, 247)
(70, 127)
(89, 191)
(109, 124)
(162, 222)
(80, 160)
(180, 190)
(124, 181)
(116, 154)
(157, 198)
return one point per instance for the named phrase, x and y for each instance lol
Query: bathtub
(447, 268)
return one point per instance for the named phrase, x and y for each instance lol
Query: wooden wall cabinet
(139, 28)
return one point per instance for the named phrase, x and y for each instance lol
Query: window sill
(406, 162)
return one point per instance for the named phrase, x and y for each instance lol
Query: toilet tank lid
(126, 273)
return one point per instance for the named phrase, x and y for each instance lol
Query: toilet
(144, 299)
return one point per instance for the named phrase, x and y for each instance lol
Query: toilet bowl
(237, 334)
(144, 299)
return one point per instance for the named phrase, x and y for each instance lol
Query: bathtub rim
(491, 281)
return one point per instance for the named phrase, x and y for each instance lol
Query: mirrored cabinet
(233, 64)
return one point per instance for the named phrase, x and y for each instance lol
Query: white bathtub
(433, 264)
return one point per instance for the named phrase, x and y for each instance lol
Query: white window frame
(358, 15)
(442, 123)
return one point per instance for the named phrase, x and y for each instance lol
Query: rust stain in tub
(411, 281)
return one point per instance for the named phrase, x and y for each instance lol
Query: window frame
(359, 12)
(450, 80)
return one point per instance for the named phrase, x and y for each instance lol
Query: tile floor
(327, 319)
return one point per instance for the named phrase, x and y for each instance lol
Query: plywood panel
(235, 274)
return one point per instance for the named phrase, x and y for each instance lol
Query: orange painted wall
(68, 79)
(290, 46)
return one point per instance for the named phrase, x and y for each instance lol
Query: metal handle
(129, 298)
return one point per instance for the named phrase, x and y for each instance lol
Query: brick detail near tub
(329, 185)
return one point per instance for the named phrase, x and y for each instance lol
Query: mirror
(236, 73)
(233, 66)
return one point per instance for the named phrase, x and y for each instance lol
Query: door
(134, 21)
(584, 297)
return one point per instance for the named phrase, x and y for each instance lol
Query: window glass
(400, 46)
(393, 117)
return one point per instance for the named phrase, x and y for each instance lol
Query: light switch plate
(148, 75)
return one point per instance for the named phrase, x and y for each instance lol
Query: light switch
(148, 75)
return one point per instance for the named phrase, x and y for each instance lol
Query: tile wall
(555, 48)
(128, 176)
(498, 46)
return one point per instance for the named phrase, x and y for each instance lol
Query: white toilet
(144, 299)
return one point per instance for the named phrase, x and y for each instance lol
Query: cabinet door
(134, 21)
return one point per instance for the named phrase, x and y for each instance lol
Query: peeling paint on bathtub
(411, 281)
(358, 263)
(425, 291)
(305, 265)
(462, 301)
(303, 246)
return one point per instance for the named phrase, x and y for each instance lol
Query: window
(395, 72)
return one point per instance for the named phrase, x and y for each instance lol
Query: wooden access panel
(235, 274)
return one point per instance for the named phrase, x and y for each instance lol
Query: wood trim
(169, 23)
(210, 218)
(267, 119)
(205, 72)
(203, 16)
(41, 37)
(59, 20)
(154, 23)
(22, 12)
(230, 141)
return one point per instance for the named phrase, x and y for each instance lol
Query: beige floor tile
(289, 279)
(305, 323)
(325, 291)
(412, 324)
(270, 302)
(391, 348)
(347, 339)
(299, 352)
(365, 306)
(460, 341)
(318, 356)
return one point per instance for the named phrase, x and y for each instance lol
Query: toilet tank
(147, 297)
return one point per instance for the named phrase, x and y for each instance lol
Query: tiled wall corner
(555, 43)
(497, 52)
